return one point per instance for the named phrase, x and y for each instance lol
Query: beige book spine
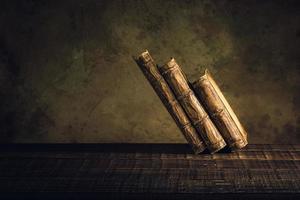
(196, 113)
(222, 114)
(151, 72)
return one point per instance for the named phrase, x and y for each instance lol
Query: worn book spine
(196, 113)
(220, 111)
(150, 70)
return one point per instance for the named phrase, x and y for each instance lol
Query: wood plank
(255, 155)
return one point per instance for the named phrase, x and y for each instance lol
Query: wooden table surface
(148, 171)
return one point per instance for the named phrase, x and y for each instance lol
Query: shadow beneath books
(226, 149)
(103, 147)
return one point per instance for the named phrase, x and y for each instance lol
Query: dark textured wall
(66, 72)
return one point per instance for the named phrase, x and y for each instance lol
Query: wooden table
(148, 171)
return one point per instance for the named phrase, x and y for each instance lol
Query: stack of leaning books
(199, 109)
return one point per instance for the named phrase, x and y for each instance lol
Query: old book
(196, 113)
(220, 111)
(150, 70)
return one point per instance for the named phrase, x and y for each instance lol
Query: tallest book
(150, 70)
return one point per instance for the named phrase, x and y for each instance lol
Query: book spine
(222, 114)
(151, 72)
(186, 97)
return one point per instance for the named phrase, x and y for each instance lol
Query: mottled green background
(67, 75)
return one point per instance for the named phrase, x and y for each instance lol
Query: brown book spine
(198, 116)
(222, 114)
(150, 70)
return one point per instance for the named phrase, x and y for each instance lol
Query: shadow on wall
(66, 72)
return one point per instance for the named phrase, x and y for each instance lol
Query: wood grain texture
(150, 70)
(139, 170)
(186, 97)
(220, 111)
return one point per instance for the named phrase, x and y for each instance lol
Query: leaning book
(177, 80)
(220, 111)
(151, 72)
